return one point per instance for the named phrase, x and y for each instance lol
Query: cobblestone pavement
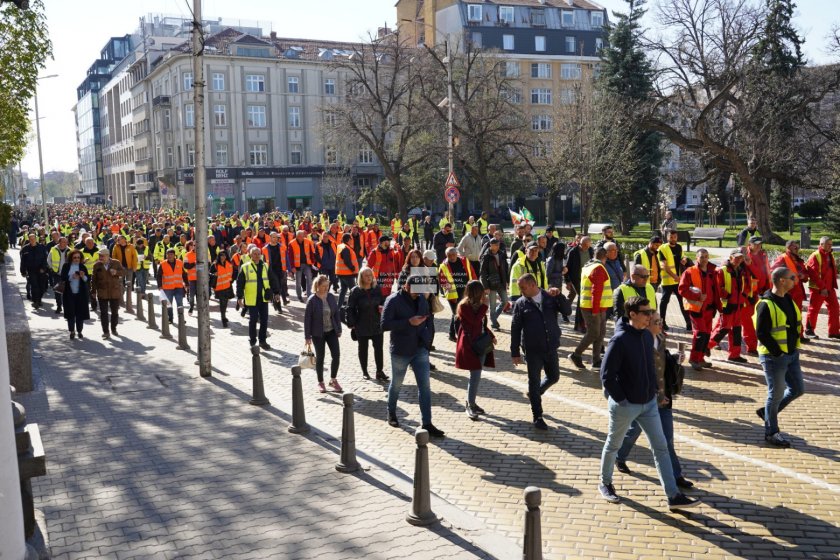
(758, 501)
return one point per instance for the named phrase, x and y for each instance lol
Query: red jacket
(740, 286)
(599, 277)
(760, 271)
(822, 277)
(797, 293)
(472, 323)
(710, 286)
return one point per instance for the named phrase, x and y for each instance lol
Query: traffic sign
(452, 195)
(452, 180)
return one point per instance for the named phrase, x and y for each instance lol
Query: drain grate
(136, 383)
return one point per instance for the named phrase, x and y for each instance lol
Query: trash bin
(805, 237)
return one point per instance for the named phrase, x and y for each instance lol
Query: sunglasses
(659, 322)
(647, 312)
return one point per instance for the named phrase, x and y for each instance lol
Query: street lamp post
(40, 156)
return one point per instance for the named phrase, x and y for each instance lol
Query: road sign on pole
(452, 180)
(452, 195)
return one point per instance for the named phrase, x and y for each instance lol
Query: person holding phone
(74, 299)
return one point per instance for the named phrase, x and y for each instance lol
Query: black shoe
(453, 338)
(707, 352)
(811, 333)
(752, 352)
(760, 412)
(80, 336)
(496, 326)
(224, 322)
(265, 346)
(622, 467)
(365, 375)
(434, 432)
(57, 311)
(72, 335)
(577, 360)
(565, 319)
(106, 336)
(380, 376)
(596, 365)
(777, 440)
(835, 336)
(608, 493)
(681, 501)
(114, 332)
(300, 299)
(478, 409)
(738, 360)
(392, 421)
(432, 367)
(471, 412)
(285, 301)
(540, 424)
(683, 483)
(688, 327)
(190, 310)
(243, 312)
(804, 340)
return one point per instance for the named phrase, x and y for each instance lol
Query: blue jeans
(472, 385)
(142, 277)
(496, 310)
(784, 384)
(176, 294)
(647, 415)
(419, 362)
(536, 363)
(666, 415)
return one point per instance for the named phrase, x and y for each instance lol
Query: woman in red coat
(472, 317)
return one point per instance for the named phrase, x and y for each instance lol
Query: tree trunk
(758, 206)
(399, 193)
(551, 211)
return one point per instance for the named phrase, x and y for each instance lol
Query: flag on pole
(526, 215)
(515, 217)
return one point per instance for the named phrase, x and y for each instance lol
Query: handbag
(435, 305)
(483, 344)
(307, 358)
(59, 288)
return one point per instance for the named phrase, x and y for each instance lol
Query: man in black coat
(575, 259)
(494, 277)
(535, 331)
(442, 241)
(33, 267)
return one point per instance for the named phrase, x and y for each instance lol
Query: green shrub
(813, 208)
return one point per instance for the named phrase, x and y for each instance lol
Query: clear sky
(80, 29)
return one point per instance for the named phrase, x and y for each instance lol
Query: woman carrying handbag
(321, 325)
(474, 348)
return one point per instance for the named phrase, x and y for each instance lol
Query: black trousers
(667, 292)
(223, 303)
(377, 351)
(258, 312)
(108, 313)
(320, 342)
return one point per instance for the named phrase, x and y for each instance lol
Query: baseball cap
(430, 255)
(736, 253)
(756, 239)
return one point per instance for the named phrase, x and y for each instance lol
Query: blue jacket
(627, 371)
(406, 340)
(534, 330)
(313, 317)
(616, 273)
(327, 257)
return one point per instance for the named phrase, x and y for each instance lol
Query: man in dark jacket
(407, 316)
(442, 241)
(628, 376)
(33, 267)
(535, 331)
(493, 276)
(576, 258)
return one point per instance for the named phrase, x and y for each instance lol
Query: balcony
(161, 100)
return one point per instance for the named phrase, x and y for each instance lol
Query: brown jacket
(105, 285)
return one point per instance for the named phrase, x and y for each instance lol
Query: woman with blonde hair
(364, 312)
(321, 326)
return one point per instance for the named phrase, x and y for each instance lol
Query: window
(218, 81)
(567, 18)
(365, 155)
(330, 118)
(513, 95)
(188, 80)
(221, 155)
(571, 44)
(473, 12)
(506, 14)
(507, 42)
(475, 39)
(599, 43)
(540, 70)
(220, 115)
(539, 43)
(294, 85)
(294, 117)
(510, 69)
(170, 158)
(329, 87)
(190, 155)
(256, 116)
(567, 96)
(189, 115)
(596, 19)
(541, 122)
(296, 155)
(255, 52)
(330, 156)
(596, 71)
(254, 82)
(167, 119)
(570, 71)
(538, 17)
(541, 96)
(258, 154)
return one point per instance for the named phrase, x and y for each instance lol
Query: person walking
(628, 377)
(778, 325)
(106, 287)
(734, 282)
(75, 296)
(33, 267)
(56, 258)
(346, 267)
(383, 261)
(699, 289)
(750, 231)
(255, 287)
(577, 257)
(672, 264)
(222, 271)
(648, 257)
(470, 247)
(822, 273)
(364, 315)
(406, 316)
(454, 273)
(301, 260)
(428, 232)
(596, 299)
(667, 368)
(637, 285)
(755, 260)
(144, 264)
(535, 333)
(321, 326)
(171, 278)
(475, 342)
(443, 240)
(192, 274)
(494, 274)
(791, 259)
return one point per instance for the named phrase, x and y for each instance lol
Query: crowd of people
(359, 277)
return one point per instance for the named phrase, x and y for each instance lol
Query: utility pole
(450, 148)
(41, 166)
(199, 178)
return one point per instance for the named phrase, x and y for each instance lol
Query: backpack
(674, 374)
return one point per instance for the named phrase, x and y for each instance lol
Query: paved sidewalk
(758, 502)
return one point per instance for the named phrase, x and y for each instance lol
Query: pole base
(255, 401)
(421, 520)
(184, 348)
(299, 430)
(164, 336)
(343, 468)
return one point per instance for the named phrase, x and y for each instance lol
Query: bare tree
(337, 186)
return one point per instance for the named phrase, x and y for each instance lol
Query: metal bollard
(258, 392)
(421, 503)
(182, 331)
(298, 425)
(140, 315)
(164, 319)
(129, 307)
(532, 544)
(150, 300)
(348, 463)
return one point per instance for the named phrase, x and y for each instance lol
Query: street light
(40, 155)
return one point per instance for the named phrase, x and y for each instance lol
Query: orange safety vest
(192, 273)
(224, 276)
(791, 264)
(340, 266)
(172, 279)
(308, 249)
(694, 306)
(267, 257)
